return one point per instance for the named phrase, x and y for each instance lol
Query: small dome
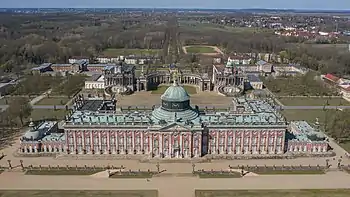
(175, 93)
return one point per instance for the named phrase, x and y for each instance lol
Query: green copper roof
(175, 93)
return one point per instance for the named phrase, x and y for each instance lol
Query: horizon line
(183, 8)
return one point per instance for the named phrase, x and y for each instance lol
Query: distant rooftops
(253, 78)
(42, 66)
(256, 113)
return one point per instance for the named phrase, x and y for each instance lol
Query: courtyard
(147, 99)
(161, 89)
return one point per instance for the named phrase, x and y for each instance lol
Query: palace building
(175, 129)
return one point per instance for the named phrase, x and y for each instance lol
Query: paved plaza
(169, 186)
(173, 186)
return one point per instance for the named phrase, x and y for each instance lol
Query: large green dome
(175, 93)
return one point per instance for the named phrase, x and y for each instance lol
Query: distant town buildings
(343, 85)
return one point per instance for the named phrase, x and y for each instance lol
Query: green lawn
(200, 49)
(41, 114)
(308, 115)
(205, 175)
(53, 101)
(312, 101)
(291, 172)
(79, 193)
(6, 100)
(345, 145)
(123, 52)
(137, 175)
(274, 193)
(161, 89)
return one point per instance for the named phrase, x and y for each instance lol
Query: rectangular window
(96, 140)
(230, 140)
(222, 140)
(112, 138)
(87, 140)
(238, 140)
(196, 142)
(138, 140)
(255, 140)
(246, 140)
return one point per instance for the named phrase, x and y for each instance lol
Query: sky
(214, 4)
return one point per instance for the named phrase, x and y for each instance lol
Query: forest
(29, 40)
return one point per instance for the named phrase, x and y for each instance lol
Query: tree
(340, 126)
(21, 108)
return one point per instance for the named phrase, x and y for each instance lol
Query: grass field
(288, 101)
(346, 145)
(123, 52)
(53, 101)
(61, 172)
(308, 115)
(200, 49)
(41, 114)
(79, 193)
(161, 90)
(291, 172)
(138, 175)
(274, 193)
(6, 100)
(218, 175)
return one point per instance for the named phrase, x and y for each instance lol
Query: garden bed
(285, 169)
(274, 193)
(63, 170)
(137, 175)
(217, 174)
